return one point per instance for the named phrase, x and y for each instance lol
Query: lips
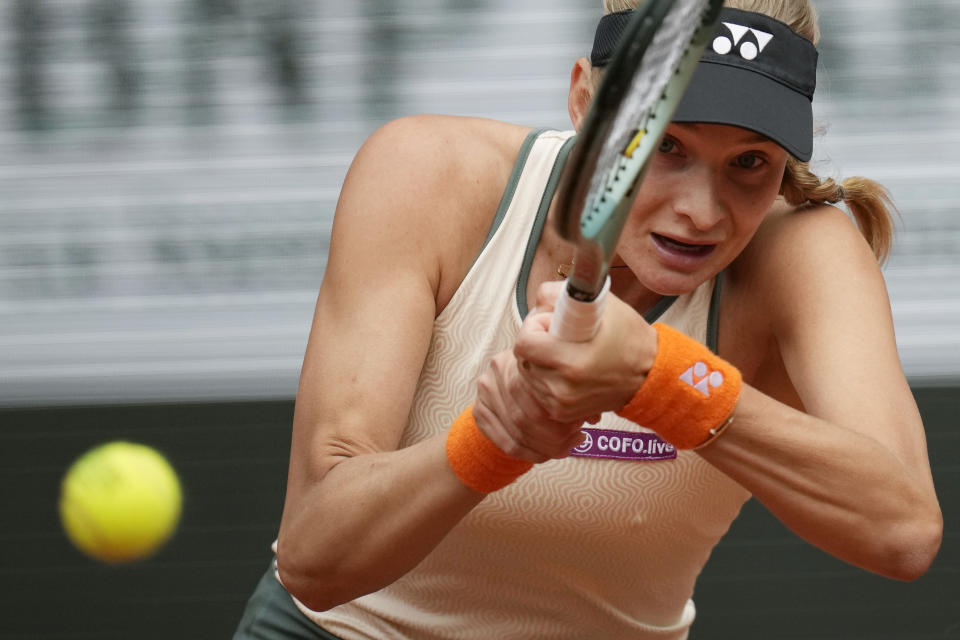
(682, 254)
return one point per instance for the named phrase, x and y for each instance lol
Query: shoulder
(805, 252)
(431, 184)
(806, 274)
(446, 150)
(787, 227)
(434, 157)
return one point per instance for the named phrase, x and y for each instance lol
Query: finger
(523, 423)
(534, 342)
(531, 425)
(554, 425)
(551, 396)
(497, 432)
(525, 397)
(531, 388)
(537, 321)
(575, 441)
(547, 294)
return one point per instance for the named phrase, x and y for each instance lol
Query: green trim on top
(538, 224)
(511, 187)
(659, 309)
(713, 315)
(650, 316)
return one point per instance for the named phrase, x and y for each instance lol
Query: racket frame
(592, 209)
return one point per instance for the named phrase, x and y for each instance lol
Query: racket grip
(577, 321)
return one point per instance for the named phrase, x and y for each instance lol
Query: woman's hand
(573, 382)
(508, 411)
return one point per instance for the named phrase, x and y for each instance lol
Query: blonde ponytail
(868, 201)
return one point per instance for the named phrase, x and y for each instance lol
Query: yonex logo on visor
(748, 49)
(759, 74)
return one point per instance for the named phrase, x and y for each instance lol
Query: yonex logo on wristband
(747, 49)
(701, 378)
(688, 391)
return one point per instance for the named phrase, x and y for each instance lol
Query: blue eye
(667, 145)
(749, 161)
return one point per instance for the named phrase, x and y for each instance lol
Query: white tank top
(576, 548)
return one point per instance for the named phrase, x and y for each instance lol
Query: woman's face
(706, 191)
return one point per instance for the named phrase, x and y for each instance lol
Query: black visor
(757, 74)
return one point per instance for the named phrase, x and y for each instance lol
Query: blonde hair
(869, 201)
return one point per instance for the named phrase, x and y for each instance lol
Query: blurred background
(168, 175)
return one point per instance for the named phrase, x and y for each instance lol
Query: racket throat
(579, 294)
(589, 274)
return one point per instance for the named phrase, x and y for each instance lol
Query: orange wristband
(690, 393)
(480, 464)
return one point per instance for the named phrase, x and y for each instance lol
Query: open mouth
(683, 248)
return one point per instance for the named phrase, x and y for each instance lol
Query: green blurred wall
(762, 582)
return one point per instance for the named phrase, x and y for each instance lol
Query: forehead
(726, 133)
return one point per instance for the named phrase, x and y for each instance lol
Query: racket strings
(643, 85)
(661, 60)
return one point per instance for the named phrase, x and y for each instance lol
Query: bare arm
(359, 513)
(850, 473)
(829, 437)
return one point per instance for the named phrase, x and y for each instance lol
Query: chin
(671, 284)
(672, 281)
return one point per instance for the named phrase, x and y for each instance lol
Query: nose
(698, 200)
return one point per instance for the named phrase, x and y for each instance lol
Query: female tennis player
(459, 472)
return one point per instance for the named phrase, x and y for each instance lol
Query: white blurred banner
(169, 169)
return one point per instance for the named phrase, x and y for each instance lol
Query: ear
(581, 92)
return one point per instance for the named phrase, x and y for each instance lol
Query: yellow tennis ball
(120, 502)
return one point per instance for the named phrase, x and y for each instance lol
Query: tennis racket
(640, 91)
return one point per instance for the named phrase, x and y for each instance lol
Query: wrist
(636, 348)
(689, 394)
(647, 350)
(476, 460)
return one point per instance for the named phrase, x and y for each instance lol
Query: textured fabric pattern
(575, 548)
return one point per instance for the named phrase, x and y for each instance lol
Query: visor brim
(724, 94)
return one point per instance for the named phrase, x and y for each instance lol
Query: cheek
(653, 198)
(748, 217)
(643, 210)
(775, 185)
(630, 243)
(756, 200)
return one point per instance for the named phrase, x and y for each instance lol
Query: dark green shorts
(272, 615)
